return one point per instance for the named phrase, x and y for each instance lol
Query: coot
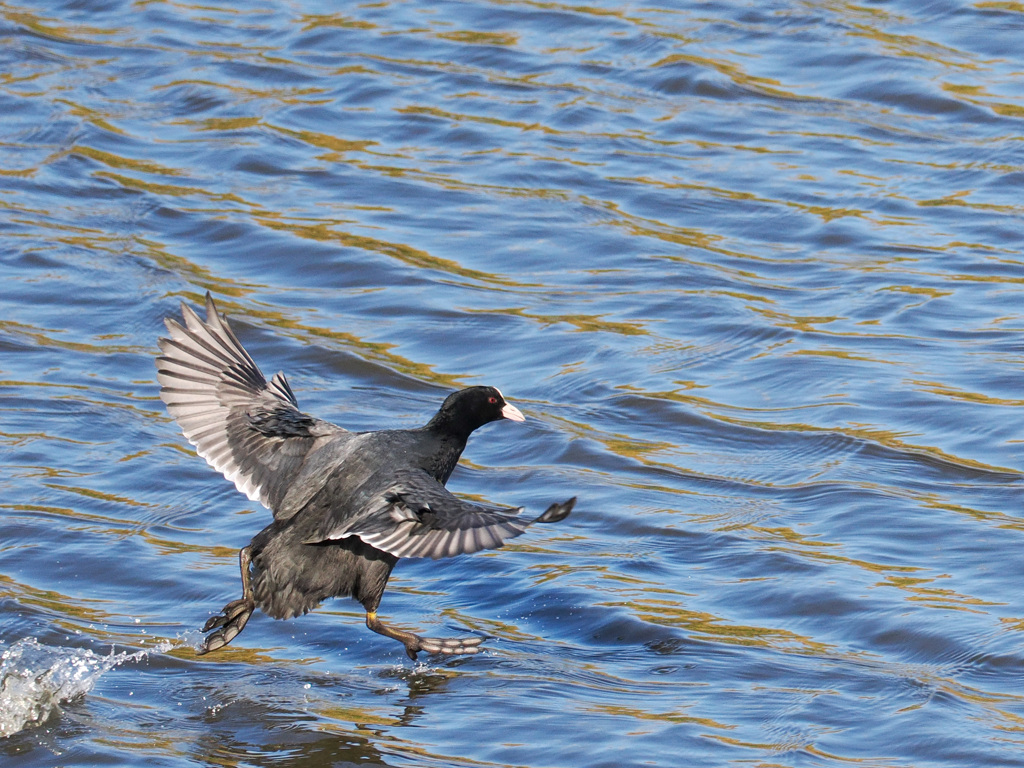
(347, 505)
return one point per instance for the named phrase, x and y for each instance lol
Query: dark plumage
(347, 505)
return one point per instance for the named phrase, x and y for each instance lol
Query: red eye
(492, 400)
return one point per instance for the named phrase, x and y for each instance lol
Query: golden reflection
(1002, 520)
(43, 337)
(317, 21)
(201, 277)
(371, 351)
(460, 117)
(979, 96)
(131, 737)
(90, 115)
(20, 438)
(788, 541)
(480, 38)
(825, 213)
(934, 597)
(338, 147)
(223, 123)
(169, 190)
(764, 85)
(931, 293)
(360, 717)
(90, 493)
(687, 236)
(957, 199)
(76, 33)
(839, 354)
(56, 604)
(1007, 110)
(324, 231)
(669, 613)
(952, 393)
(1015, 624)
(768, 747)
(454, 183)
(229, 654)
(284, 95)
(804, 744)
(622, 445)
(787, 535)
(965, 90)
(584, 323)
(213, 555)
(675, 717)
(887, 438)
(998, 5)
(990, 703)
(550, 572)
(806, 324)
(112, 527)
(915, 47)
(142, 452)
(493, 627)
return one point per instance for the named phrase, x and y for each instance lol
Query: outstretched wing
(250, 431)
(415, 516)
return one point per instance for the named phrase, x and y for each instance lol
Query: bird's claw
(228, 623)
(443, 646)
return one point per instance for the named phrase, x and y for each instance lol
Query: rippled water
(753, 271)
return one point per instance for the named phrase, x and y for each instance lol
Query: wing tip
(557, 512)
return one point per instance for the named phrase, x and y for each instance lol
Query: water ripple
(752, 273)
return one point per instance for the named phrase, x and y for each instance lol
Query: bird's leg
(234, 615)
(414, 643)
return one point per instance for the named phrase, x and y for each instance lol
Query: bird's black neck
(450, 428)
(446, 446)
(447, 450)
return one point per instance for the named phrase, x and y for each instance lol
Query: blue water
(753, 271)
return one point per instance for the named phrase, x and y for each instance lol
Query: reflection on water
(752, 272)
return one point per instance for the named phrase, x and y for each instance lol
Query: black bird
(347, 505)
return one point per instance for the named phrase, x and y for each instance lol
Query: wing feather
(246, 428)
(413, 515)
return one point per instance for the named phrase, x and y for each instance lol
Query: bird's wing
(413, 515)
(247, 429)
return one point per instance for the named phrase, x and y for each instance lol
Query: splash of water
(36, 679)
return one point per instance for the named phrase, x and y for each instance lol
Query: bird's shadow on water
(319, 718)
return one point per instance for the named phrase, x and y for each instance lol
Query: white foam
(36, 679)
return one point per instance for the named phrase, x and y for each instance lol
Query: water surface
(753, 272)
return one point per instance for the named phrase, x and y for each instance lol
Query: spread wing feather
(416, 516)
(246, 428)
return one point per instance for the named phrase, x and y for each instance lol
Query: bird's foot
(227, 624)
(443, 646)
(414, 644)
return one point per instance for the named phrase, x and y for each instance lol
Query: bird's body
(346, 505)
